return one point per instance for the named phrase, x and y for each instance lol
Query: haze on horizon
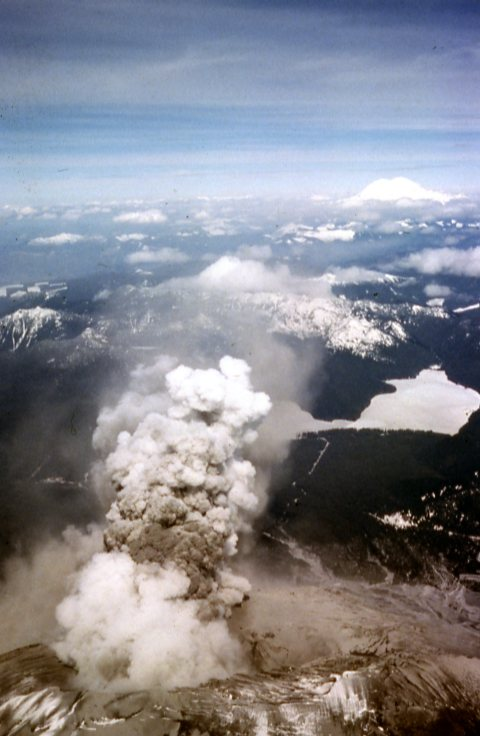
(146, 99)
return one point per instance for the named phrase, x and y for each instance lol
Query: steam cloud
(151, 610)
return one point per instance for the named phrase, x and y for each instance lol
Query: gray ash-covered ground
(324, 659)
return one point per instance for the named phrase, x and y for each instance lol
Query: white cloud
(398, 189)
(60, 239)
(230, 273)
(436, 290)
(163, 255)
(444, 260)
(102, 296)
(255, 252)
(451, 240)
(130, 237)
(326, 233)
(72, 215)
(392, 227)
(96, 209)
(20, 212)
(330, 233)
(142, 217)
(218, 227)
(291, 228)
(202, 215)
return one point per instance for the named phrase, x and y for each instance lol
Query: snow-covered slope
(24, 327)
(362, 327)
(397, 189)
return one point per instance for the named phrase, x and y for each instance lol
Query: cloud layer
(60, 239)
(452, 261)
(328, 233)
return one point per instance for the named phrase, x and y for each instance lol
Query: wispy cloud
(444, 260)
(255, 252)
(65, 239)
(131, 237)
(162, 255)
(142, 217)
(437, 290)
(243, 53)
(133, 100)
(19, 212)
(328, 233)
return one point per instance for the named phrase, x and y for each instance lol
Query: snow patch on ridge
(25, 326)
(362, 327)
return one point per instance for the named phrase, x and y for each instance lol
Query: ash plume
(152, 609)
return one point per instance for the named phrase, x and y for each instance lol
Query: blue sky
(105, 99)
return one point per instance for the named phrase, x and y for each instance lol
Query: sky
(105, 99)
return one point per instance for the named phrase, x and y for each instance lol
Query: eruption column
(151, 610)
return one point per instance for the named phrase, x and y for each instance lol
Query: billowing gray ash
(151, 609)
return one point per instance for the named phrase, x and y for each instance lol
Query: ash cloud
(45, 445)
(195, 595)
(151, 610)
(34, 585)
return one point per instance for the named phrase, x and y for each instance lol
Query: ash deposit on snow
(152, 609)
